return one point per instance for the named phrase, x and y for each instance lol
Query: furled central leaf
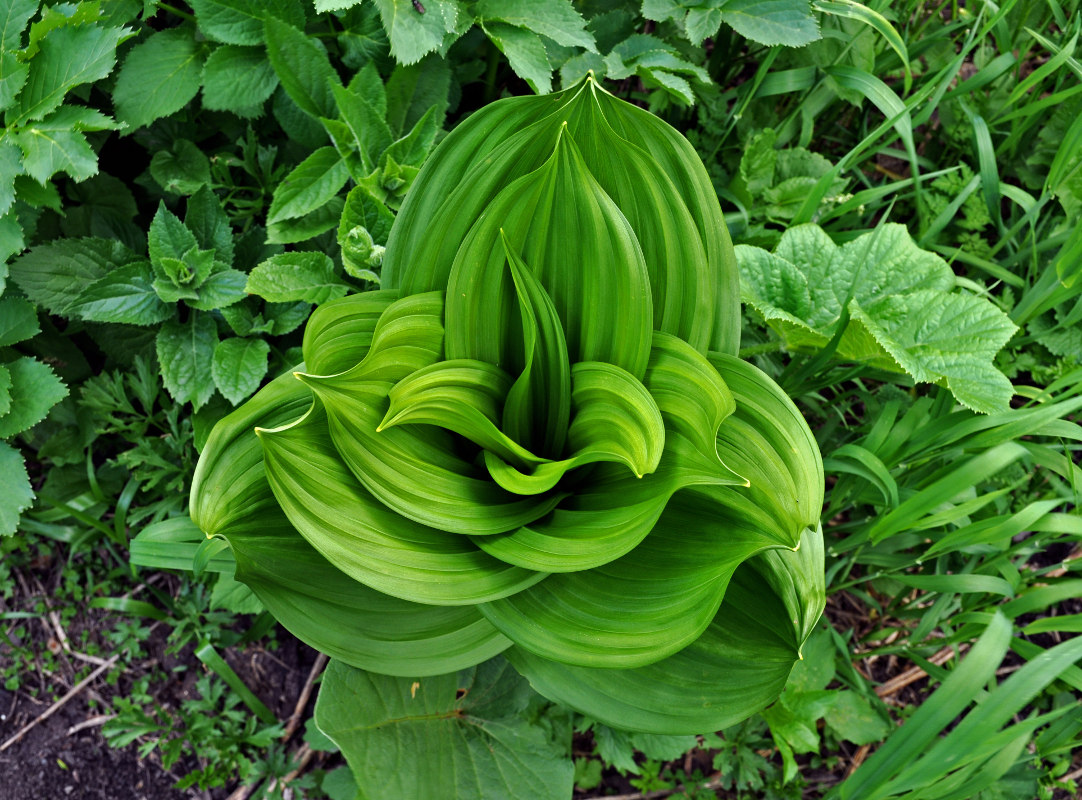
(528, 442)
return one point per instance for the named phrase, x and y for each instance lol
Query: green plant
(507, 444)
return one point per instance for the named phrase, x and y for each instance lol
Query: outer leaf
(309, 186)
(303, 68)
(475, 727)
(182, 169)
(365, 539)
(736, 667)
(56, 144)
(368, 126)
(34, 390)
(231, 497)
(238, 79)
(159, 76)
(298, 275)
(238, 367)
(15, 493)
(186, 355)
(241, 21)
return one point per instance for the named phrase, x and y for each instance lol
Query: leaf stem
(176, 11)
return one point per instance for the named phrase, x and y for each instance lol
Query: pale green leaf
(54, 275)
(238, 367)
(473, 727)
(301, 229)
(159, 76)
(852, 718)
(904, 315)
(299, 275)
(525, 52)
(182, 169)
(558, 20)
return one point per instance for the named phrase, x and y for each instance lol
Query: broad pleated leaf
(412, 470)
(736, 668)
(598, 281)
(642, 607)
(335, 614)
(367, 540)
(339, 333)
(539, 405)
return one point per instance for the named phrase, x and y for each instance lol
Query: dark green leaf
(303, 68)
(18, 321)
(238, 367)
(238, 79)
(309, 186)
(186, 355)
(34, 390)
(15, 493)
(159, 76)
(125, 294)
(241, 21)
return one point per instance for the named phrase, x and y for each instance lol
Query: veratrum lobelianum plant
(536, 440)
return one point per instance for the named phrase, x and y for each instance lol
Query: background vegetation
(181, 183)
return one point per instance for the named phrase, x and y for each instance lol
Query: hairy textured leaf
(309, 186)
(54, 275)
(241, 21)
(904, 316)
(302, 67)
(125, 294)
(414, 35)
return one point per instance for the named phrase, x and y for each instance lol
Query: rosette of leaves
(535, 440)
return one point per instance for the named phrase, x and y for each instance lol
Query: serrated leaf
(241, 21)
(13, 75)
(415, 89)
(414, 35)
(68, 57)
(558, 20)
(54, 275)
(18, 321)
(11, 166)
(771, 22)
(126, 295)
(13, 19)
(15, 493)
(207, 220)
(905, 316)
(34, 390)
(474, 727)
(53, 145)
(221, 289)
(168, 237)
(525, 52)
(238, 367)
(289, 277)
(309, 186)
(5, 390)
(159, 76)
(237, 79)
(303, 68)
(181, 169)
(186, 356)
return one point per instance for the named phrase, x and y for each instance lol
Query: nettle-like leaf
(526, 440)
(905, 314)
